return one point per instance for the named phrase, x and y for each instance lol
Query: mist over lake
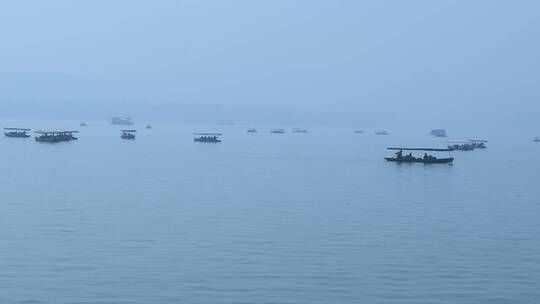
(239, 151)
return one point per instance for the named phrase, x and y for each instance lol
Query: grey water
(265, 218)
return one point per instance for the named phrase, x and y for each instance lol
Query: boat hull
(420, 160)
(211, 141)
(17, 135)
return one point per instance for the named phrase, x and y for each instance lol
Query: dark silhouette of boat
(461, 145)
(149, 127)
(17, 132)
(358, 131)
(82, 124)
(251, 130)
(478, 143)
(207, 137)
(277, 131)
(298, 130)
(122, 121)
(536, 139)
(438, 132)
(426, 159)
(381, 133)
(55, 136)
(128, 134)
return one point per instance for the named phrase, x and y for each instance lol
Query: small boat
(251, 130)
(358, 131)
(149, 126)
(82, 124)
(426, 159)
(128, 134)
(438, 132)
(478, 143)
(381, 133)
(461, 145)
(122, 121)
(207, 137)
(298, 130)
(55, 136)
(536, 139)
(277, 131)
(17, 132)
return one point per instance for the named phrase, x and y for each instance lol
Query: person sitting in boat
(399, 154)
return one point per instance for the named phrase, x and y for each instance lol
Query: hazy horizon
(372, 62)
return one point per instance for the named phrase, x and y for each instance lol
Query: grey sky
(350, 56)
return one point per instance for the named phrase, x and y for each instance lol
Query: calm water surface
(261, 218)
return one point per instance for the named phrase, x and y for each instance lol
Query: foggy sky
(389, 59)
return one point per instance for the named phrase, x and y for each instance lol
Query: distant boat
(381, 133)
(149, 126)
(122, 121)
(207, 137)
(438, 132)
(298, 130)
(55, 136)
(426, 159)
(478, 143)
(128, 134)
(17, 132)
(460, 145)
(536, 139)
(82, 124)
(277, 131)
(358, 131)
(251, 130)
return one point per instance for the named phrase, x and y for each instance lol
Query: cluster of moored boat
(42, 136)
(279, 131)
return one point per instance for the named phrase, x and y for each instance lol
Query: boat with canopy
(478, 143)
(55, 136)
(460, 145)
(207, 137)
(426, 159)
(17, 132)
(128, 134)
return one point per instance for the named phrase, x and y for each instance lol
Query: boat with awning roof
(426, 159)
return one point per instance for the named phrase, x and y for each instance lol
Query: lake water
(261, 218)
